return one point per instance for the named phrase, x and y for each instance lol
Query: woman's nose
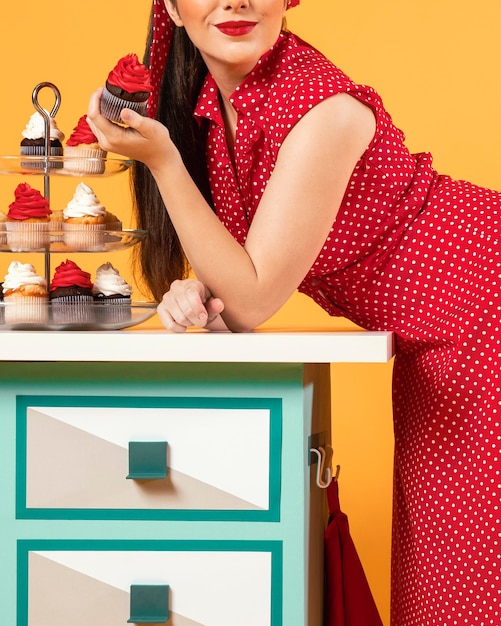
(236, 4)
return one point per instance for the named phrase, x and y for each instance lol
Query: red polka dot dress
(418, 254)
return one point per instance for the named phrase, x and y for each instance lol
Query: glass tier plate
(109, 241)
(72, 317)
(62, 166)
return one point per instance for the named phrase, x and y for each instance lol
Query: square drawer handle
(147, 460)
(149, 604)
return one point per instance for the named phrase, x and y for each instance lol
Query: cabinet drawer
(109, 583)
(139, 458)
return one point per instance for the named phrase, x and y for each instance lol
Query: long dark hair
(160, 258)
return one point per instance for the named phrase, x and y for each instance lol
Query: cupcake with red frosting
(83, 154)
(128, 86)
(28, 220)
(70, 294)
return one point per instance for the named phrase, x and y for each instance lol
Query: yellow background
(434, 62)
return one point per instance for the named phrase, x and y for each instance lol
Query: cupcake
(33, 143)
(113, 294)
(25, 295)
(85, 220)
(127, 87)
(3, 232)
(83, 154)
(70, 295)
(28, 220)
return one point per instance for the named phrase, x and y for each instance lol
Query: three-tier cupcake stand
(48, 166)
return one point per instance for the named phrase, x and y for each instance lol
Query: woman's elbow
(244, 321)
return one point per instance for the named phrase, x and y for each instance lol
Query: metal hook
(36, 104)
(324, 466)
(46, 117)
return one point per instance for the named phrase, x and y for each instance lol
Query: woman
(269, 170)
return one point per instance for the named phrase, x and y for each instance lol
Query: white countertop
(157, 345)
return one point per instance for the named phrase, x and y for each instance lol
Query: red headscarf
(163, 27)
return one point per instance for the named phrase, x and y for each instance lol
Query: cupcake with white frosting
(114, 294)
(33, 142)
(25, 295)
(84, 221)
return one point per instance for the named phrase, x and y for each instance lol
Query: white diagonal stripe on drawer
(226, 448)
(59, 596)
(69, 468)
(213, 588)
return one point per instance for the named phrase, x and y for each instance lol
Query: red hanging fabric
(348, 598)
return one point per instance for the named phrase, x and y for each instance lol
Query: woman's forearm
(216, 258)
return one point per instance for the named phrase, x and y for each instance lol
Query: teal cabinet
(173, 493)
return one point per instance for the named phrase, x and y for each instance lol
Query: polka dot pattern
(163, 28)
(273, 98)
(418, 254)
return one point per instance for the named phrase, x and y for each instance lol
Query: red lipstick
(236, 28)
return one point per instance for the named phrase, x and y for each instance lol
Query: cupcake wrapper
(25, 309)
(3, 235)
(111, 106)
(28, 236)
(84, 160)
(82, 300)
(56, 231)
(72, 310)
(113, 310)
(39, 151)
(84, 237)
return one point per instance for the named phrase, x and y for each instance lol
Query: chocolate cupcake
(127, 87)
(70, 295)
(112, 294)
(33, 144)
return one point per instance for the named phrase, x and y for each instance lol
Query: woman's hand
(189, 303)
(141, 138)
